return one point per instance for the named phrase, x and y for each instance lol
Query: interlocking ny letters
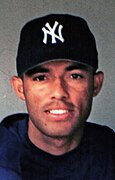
(51, 31)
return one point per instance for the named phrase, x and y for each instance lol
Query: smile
(59, 111)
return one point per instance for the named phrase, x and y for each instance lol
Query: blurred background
(100, 15)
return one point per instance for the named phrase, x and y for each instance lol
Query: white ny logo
(51, 31)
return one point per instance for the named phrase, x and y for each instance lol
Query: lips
(59, 111)
(59, 114)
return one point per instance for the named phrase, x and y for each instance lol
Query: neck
(54, 145)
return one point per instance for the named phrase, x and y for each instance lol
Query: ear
(17, 84)
(98, 82)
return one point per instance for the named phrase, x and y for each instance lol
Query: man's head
(54, 37)
(56, 65)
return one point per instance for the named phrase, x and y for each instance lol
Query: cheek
(82, 95)
(35, 97)
(35, 92)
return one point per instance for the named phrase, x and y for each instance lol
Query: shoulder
(99, 148)
(13, 119)
(101, 138)
(98, 129)
(17, 124)
(8, 174)
(10, 147)
(99, 132)
(9, 155)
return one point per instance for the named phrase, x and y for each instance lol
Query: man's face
(58, 96)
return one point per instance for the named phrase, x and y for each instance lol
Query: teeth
(58, 111)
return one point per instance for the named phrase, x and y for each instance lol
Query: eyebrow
(38, 69)
(77, 66)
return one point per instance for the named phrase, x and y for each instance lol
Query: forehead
(54, 65)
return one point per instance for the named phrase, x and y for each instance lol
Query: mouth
(58, 111)
(59, 114)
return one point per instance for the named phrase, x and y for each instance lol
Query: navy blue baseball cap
(56, 37)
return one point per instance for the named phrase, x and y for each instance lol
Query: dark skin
(58, 96)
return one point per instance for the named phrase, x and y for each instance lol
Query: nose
(59, 90)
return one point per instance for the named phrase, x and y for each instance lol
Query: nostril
(59, 97)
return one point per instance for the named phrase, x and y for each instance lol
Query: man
(57, 64)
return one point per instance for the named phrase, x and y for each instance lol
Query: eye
(40, 78)
(76, 76)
